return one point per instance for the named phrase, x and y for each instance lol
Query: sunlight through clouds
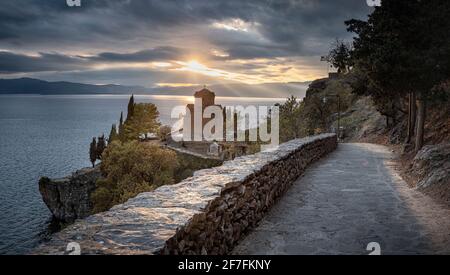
(234, 24)
(150, 42)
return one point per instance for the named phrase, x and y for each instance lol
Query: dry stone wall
(205, 214)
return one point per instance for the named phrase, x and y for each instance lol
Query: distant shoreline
(31, 86)
(136, 95)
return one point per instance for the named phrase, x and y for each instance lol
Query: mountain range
(36, 86)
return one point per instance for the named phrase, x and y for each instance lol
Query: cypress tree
(130, 108)
(121, 127)
(101, 146)
(112, 134)
(93, 152)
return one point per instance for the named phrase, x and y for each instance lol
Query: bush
(132, 168)
(163, 131)
(291, 124)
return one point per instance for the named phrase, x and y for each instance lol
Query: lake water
(50, 136)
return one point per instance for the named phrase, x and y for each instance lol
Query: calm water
(50, 136)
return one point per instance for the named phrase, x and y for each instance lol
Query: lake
(49, 135)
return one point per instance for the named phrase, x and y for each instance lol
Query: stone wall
(205, 214)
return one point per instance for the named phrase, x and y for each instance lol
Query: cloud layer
(269, 40)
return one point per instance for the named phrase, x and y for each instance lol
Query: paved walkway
(344, 202)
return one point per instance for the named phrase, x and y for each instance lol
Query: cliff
(359, 119)
(69, 198)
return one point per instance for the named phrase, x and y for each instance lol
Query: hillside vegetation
(393, 86)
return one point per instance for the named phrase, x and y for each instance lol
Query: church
(208, 99)
(215, 149)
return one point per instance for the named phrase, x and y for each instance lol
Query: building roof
(204, 93)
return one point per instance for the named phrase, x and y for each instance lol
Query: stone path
(346, 201)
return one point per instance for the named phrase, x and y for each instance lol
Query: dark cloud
(285, 23)
(103, 31)
(129, 76)
(18, 63)
(42, 62)
(157, 54)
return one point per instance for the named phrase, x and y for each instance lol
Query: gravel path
(346, 201)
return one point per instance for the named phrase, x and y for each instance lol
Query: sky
(169, 43)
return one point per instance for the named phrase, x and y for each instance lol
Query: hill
(36, 86)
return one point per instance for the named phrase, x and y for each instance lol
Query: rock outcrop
(69, 198)
(204, 214)
(431, 170)
(362, 122)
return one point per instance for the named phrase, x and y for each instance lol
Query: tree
(340, 56)
(121, 125)
(290, 119)
(380, 63)
(132, 168)
(131, 106)
(113, 134)
(144, 120)
(432, 63)
(403, 49)
(101, 146)
(93, 152)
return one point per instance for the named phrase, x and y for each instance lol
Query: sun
(194, 65)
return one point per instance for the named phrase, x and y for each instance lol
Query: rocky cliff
(69, 198)
(359, 119)
(430, 171)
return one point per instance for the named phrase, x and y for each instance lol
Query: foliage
(404, 47)
(144, 120)
(188, 164)
(163, 131)
(113, 134)
(340, 56)
(131, 168)
(317, 111)
(93, 152)
(121, 119)
(291, 119)
(131, 106)
(121, 125)
(101, 146)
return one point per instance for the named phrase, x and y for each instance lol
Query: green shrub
(131, 168)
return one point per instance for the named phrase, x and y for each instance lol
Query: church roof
(204, 92)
